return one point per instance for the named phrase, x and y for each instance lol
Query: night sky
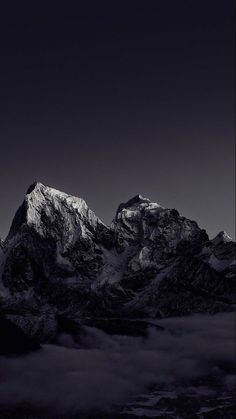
(107, 100)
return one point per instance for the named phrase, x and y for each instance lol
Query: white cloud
(108, 369)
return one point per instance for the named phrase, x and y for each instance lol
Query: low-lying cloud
(109, 369)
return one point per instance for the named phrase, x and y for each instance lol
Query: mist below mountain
(192, 359)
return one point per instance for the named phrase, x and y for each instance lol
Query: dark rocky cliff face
(60, 259)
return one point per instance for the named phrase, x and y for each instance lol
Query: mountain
(60, 261)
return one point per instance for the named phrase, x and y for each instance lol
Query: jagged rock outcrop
(60, 259)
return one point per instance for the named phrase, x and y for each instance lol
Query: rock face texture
(59, 259)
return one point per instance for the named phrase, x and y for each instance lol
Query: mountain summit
(59, 258)
(43, 205)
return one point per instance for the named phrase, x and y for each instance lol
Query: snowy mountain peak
(45, 209)
(39, 194)
(135, 208)
(137, 199)
(49, 199)
(222, 237)
(34, 186)
(137, 202)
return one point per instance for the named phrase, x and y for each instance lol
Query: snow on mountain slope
(56, 235)
(59, 258)
(44, 208)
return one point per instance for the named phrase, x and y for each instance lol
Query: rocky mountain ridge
(59, 259)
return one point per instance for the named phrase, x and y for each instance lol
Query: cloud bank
(106, 370)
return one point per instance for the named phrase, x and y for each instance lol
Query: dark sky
(111, 99)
